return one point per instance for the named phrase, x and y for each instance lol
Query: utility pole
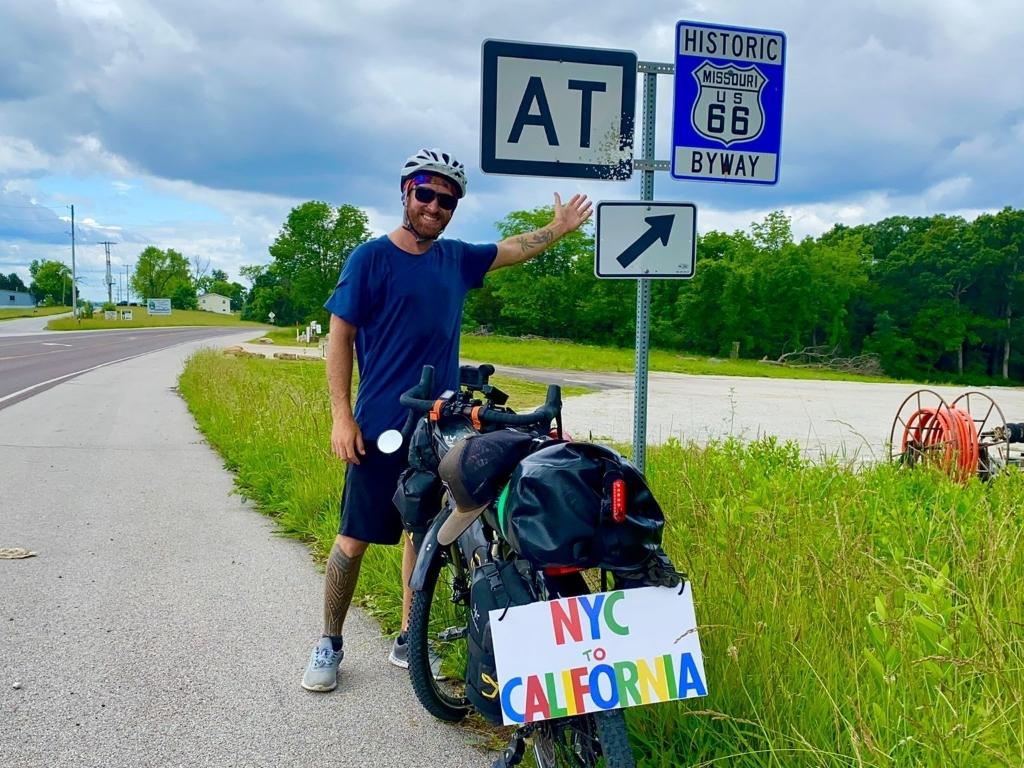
(74, 284)
(110, 280)
(127, 286)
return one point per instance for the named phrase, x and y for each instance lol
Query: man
(399, 302)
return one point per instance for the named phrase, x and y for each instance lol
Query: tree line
(164, 274)
(930, 296)
(934, 296)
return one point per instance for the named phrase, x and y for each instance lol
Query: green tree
(308, 255)
(161, 274)
(51, 282)
(774, 233)
(716, 308)
(183, 296)
(925, 285)
(1001, 239)
(544, 295)
(12, 282)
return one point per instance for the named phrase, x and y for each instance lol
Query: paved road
(162, 622)
(32, 360)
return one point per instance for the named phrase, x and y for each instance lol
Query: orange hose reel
(946, 434)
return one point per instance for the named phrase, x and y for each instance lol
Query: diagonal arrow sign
(660, 229)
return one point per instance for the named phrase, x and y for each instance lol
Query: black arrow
(660, 229)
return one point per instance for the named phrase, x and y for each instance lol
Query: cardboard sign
(597, 652)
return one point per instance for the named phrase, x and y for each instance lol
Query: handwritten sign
(597, 652)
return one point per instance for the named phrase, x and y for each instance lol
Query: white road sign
(645, 239)
(549, 110)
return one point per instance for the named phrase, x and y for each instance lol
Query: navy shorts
(367, 511)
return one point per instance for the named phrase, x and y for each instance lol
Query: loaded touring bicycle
(509, 518)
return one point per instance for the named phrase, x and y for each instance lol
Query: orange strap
(435, 412)
(475, 417)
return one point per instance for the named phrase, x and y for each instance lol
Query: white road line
(54, 344)
(5, 398)
(11, 396)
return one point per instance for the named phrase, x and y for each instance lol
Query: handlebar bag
(556, 509)
(422, 451)
(496, 584)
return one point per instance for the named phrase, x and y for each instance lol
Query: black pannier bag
(497, 584)
(557, 510)
(418, 499)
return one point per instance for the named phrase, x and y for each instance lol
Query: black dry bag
(557, 510)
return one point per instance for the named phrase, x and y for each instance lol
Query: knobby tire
(439, 703)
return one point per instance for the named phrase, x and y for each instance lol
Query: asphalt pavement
(32, 360)
(162, 622)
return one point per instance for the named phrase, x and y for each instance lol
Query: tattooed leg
(340, 583)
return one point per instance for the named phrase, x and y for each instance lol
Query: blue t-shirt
(407, 309)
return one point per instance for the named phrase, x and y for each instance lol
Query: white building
(214, 302)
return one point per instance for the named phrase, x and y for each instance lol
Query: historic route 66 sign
(727, 121)
(728, 106)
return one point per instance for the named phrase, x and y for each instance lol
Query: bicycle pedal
(452, 633)
(514, 752)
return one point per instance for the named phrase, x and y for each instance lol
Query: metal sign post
(643, 284)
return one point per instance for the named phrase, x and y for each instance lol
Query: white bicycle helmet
(436, 161)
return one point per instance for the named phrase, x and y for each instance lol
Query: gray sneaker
(322, 670)
(399, 656)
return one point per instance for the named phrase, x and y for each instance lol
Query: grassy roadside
(848, 619)
(142, 319)
(10, 313)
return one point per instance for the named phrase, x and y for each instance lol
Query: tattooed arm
(520, 248)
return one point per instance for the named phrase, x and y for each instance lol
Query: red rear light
(619, 500)
(561, 570)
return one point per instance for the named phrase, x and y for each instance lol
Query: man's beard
(427, 227)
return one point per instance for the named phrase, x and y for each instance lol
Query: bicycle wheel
(438, 622)
(587, 741)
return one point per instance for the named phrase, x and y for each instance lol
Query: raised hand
(573, 214)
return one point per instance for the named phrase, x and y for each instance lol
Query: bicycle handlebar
(415, 399)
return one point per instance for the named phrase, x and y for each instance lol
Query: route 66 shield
(728, 107)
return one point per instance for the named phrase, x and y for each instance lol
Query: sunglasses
(426, 196)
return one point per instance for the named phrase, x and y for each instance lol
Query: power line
(32, 205)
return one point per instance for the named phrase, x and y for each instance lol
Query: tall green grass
(869, 618)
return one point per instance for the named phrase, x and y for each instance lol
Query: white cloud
(910, 106)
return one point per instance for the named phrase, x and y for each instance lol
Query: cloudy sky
(198, 125)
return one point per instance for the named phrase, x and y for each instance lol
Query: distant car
(122, 303)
